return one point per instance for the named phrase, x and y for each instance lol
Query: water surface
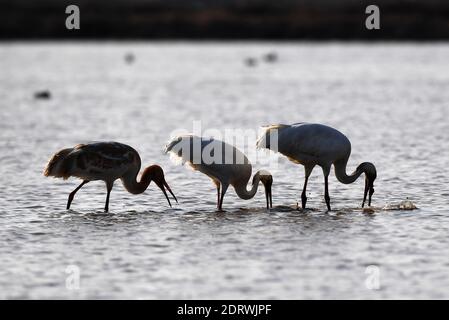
(390, 100)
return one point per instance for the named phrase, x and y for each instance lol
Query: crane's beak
(371, 192)
(165, 184)
(268, 194)
(369, 188)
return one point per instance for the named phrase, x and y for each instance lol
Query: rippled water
(390, 100)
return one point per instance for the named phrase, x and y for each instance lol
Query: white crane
(106, 161)
(316, 144)
(223, 163)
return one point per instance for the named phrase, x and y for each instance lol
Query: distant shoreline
(286, 20)
(230, 41)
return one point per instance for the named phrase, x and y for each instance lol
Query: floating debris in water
(270, 57)
(129, 58)
(403, 205)
(44, 94)
(250, 61)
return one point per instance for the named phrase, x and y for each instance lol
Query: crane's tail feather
(175, 148)
(187, 149)
(169, 147)
(59, 165)
(268, 139)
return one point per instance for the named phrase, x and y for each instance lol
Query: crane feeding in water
(223, 163)
(316, 144)
(106, 161)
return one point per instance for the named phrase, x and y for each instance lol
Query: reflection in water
(388, 99)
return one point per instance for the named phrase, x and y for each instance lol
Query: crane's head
(156, 174)
(370, 175)
(267, 180)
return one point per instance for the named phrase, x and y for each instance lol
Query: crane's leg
(217, 184)
(308, 171)
(109, 188)
(326, 188)
(218, 196)
(326, 193)
(224, 187)
(72, 194)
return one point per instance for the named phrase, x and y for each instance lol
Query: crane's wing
(306, 142)
(200, 150)
(111, 159)
(210, 156)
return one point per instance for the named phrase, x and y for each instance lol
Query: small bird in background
(105, 161)
(316, 144)
(270, 57)
(226, 166)
(42, 95)
(250, 62)
(130, 58)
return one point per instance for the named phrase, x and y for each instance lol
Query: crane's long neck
(132, 185)
(245, 194)
(340, 172)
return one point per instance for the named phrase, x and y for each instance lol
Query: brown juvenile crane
(105, 161)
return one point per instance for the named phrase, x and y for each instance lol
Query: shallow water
(390, 100)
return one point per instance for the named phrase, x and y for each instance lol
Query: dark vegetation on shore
(225, 19)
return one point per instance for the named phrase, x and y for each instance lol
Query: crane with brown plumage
(105, 161)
